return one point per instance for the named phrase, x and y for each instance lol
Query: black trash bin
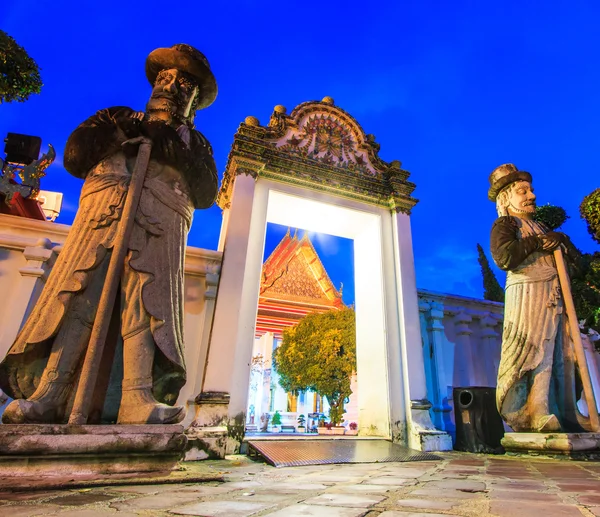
(479, 427)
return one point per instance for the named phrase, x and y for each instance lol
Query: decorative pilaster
(464, 370)
(435, 329)
(489, 350)
(40, 259)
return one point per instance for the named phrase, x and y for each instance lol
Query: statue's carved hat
(503, 176)
(187, 59)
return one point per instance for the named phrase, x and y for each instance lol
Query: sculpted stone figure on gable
(537, 375)
(42, 367)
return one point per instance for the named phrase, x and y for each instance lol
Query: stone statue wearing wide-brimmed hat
(536, 379)
(43, 366)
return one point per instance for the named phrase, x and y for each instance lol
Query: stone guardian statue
(42, 367)
(536, 389)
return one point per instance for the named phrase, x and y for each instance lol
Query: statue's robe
(178, 180)
(536, 332)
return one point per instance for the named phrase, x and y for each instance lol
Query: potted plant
(352, 428)
(276, 422)
(301, 422)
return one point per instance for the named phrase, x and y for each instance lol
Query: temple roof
(294, 272)
(293, 284)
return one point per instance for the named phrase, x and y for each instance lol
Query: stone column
(434, 317)
(464, 372)
(422, 434)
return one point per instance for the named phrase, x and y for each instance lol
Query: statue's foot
(150, 414)
(547, 424)
(23, 411)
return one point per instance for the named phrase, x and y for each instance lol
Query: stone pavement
(460, 484)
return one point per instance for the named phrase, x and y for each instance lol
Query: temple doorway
(302, 273)
(316, 169)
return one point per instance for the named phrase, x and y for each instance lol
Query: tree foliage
(19, 73)
(552, 216)
(590, 211)
(319, 353)
(491, 287)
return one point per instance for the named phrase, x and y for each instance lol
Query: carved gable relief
(327, 139)
(320, 147)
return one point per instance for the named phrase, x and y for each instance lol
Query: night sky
(451, 89)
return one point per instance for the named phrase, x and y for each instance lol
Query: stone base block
(206, 442)
(570, 444)
(47, 452)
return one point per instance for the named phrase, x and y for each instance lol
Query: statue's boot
(138, 405)
(547, 424)
(46, 405)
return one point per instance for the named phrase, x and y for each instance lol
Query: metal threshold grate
(294, 453)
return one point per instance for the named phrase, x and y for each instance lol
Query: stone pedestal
(51, 453)
(553, 444)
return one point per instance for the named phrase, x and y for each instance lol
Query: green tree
(590, 211)
(19, 73)
(491, 287)
(552, 216)
(585, 267)
(319, 353)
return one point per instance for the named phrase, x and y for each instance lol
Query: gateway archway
(316, 169)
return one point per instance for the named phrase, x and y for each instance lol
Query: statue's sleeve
(202, 175)
(508, 251)
(95, 139)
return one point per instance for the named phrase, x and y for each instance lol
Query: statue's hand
(138, 140)
(552, 240)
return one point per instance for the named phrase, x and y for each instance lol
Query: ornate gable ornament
(320, 147)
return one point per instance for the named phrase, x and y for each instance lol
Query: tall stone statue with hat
(145, 173)
(537, 378)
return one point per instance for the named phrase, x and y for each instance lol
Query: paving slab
(390, 481)
(362, 488)
(589, 499)
(85, 498)
(29, 496)
(352, 501)
(395, 513)
(155, 502)
(522, 509)
(426, 504)
(299, 486)
(440, 493)
(222, 509)
(99, 512)
(521, 495)
(27, 510)
(458, 484)
(305, 510)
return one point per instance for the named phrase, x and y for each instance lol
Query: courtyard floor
(459, 484)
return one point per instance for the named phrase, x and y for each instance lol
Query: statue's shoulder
(107, 116)
(506, 221)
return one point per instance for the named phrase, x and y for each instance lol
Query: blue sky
(451, 89)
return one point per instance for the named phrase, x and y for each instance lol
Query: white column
(225, 387)
(422, 434)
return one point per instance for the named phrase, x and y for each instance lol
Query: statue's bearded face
(172, 97)
(520, 198)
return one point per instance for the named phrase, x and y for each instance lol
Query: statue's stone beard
(171, 106)
(521, 211)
